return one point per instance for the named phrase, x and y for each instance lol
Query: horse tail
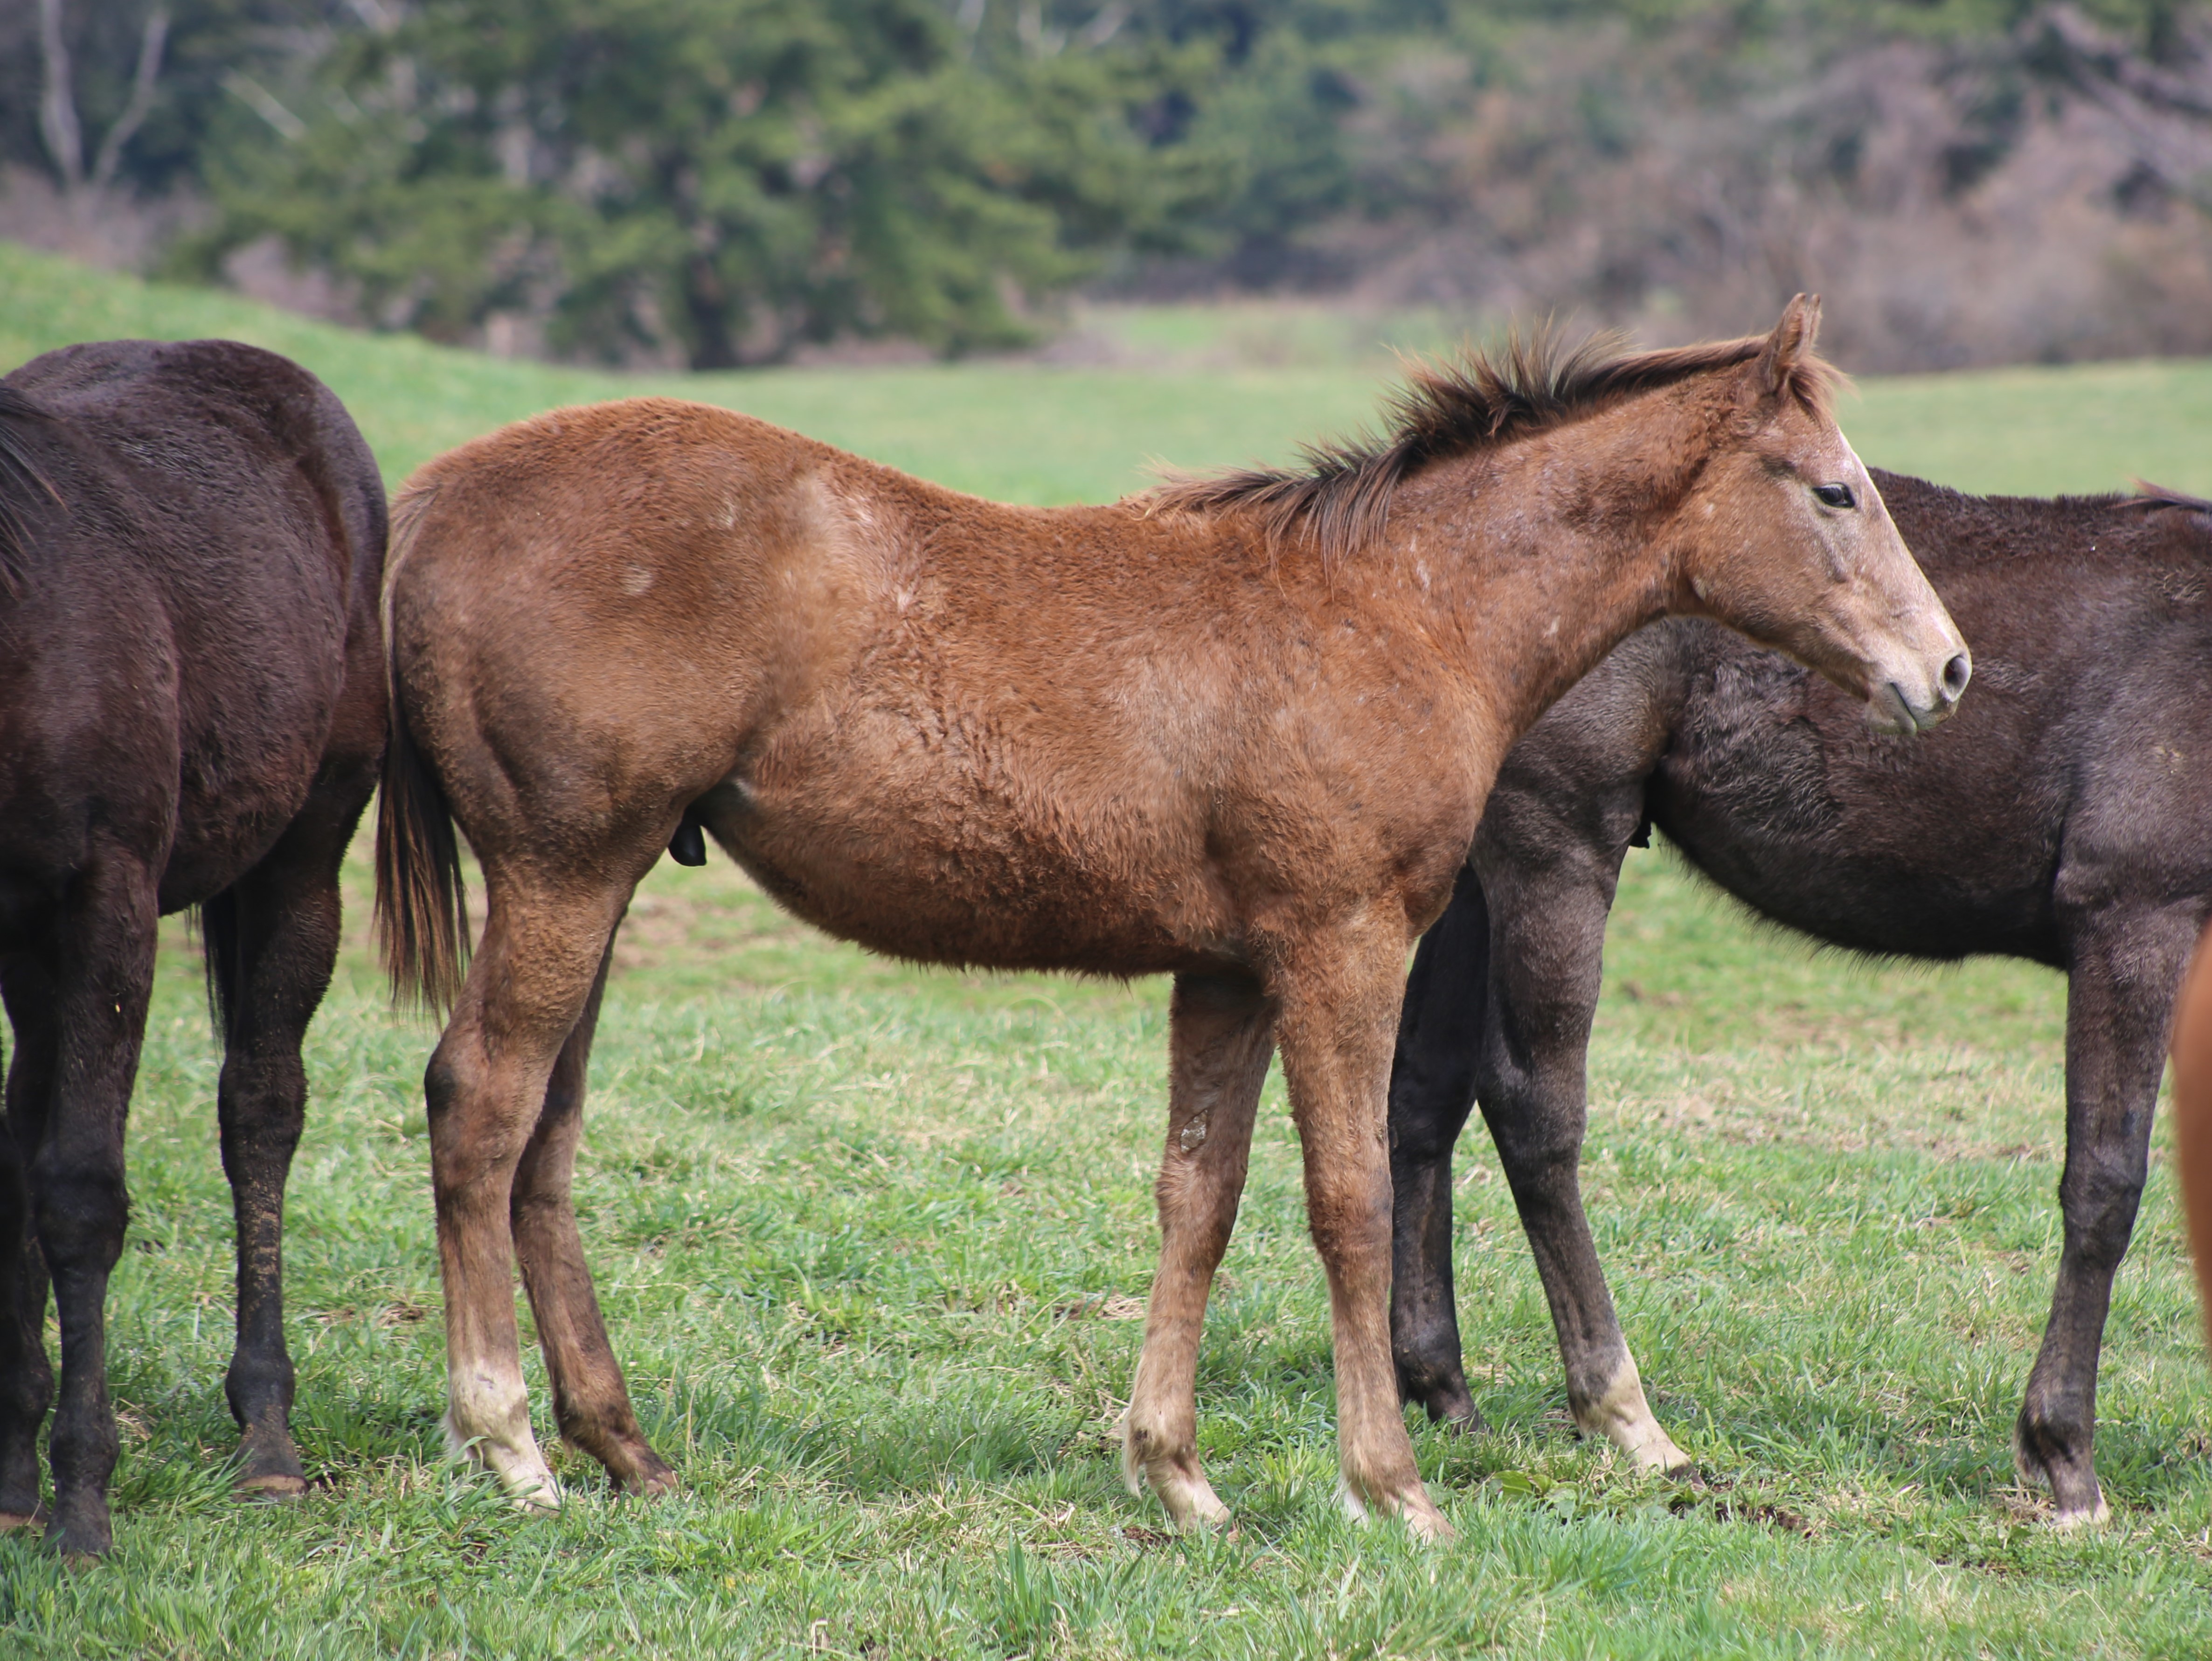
(2191, 1046)
(421, 898)
(226, 967)
(21, 483)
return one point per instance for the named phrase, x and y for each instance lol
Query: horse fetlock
(629, 1460)
(1430, 1376)
(1168, 1466)
(1422, 1517)
(1375, 1469)
(525, 1474)
(2048, 1457)
(1405, 1500)
(1189, 1498)
(649, 1483)
(1620, 1415)
(510, 1454)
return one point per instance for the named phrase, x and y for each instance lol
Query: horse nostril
(1956, 673)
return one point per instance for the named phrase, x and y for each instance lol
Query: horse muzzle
(1893, 709)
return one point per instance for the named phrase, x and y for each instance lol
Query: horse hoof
(543, 1500)
(2084, 1516)
(1192, 1504)
(653, 1484)
(633, 1467)
(12, 1521)
(79, 1548)
(1427, 1523)
(272, 1487)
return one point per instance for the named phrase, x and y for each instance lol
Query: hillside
(1029, 432)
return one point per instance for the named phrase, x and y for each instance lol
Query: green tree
(742, 175)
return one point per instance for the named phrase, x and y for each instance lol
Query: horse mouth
(1891, 711)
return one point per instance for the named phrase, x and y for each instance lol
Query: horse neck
(1541, 556)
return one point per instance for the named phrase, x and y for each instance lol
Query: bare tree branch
(57, 123)
(141, 99)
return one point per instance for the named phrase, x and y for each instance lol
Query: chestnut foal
(1239, 730)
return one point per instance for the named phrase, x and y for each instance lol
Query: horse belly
(872, 839)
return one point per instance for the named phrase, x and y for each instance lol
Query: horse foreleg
(104, 971)
(2124, 965)
(26, 1378)
(1219, 1041)
(486, 1088)
(1432, 1094)
(591, 1402)
(1337, 1013)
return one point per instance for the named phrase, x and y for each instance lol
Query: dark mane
(2148, 496)
(1339, 499)
(19, 476)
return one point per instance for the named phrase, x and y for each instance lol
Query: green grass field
(873, 1241)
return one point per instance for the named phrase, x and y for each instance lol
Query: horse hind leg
(486, 1088)
(1219, 1040)
(26, 1377)
(273, 941)
(591, 1402)
(2122, 975)
(104, 971)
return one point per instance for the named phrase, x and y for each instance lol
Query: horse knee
(257, 1380)
(2098, 1205)
(261, 1106)
(474, 1133)
(263, 1090)
(449, 1078)
(1541, 1154)
(1350, 1227)
(80, 1217)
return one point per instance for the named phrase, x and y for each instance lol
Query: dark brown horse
(2064, 818)
(1239, 732)
(191, 713)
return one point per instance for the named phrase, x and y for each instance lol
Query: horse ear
(1790, 345)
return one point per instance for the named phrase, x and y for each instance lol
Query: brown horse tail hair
(421, 898)
(225, 961)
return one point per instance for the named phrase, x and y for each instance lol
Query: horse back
(197, 533)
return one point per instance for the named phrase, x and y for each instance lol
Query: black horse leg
(1547, 949)
(1432, 1093)
(104, 972)
(26, 1377)
(2125, 967)
(283, 918)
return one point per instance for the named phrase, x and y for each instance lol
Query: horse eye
(1834, 496)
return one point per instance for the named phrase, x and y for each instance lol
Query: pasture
(874, 1242)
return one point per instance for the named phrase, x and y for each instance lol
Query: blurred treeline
(722, 182)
